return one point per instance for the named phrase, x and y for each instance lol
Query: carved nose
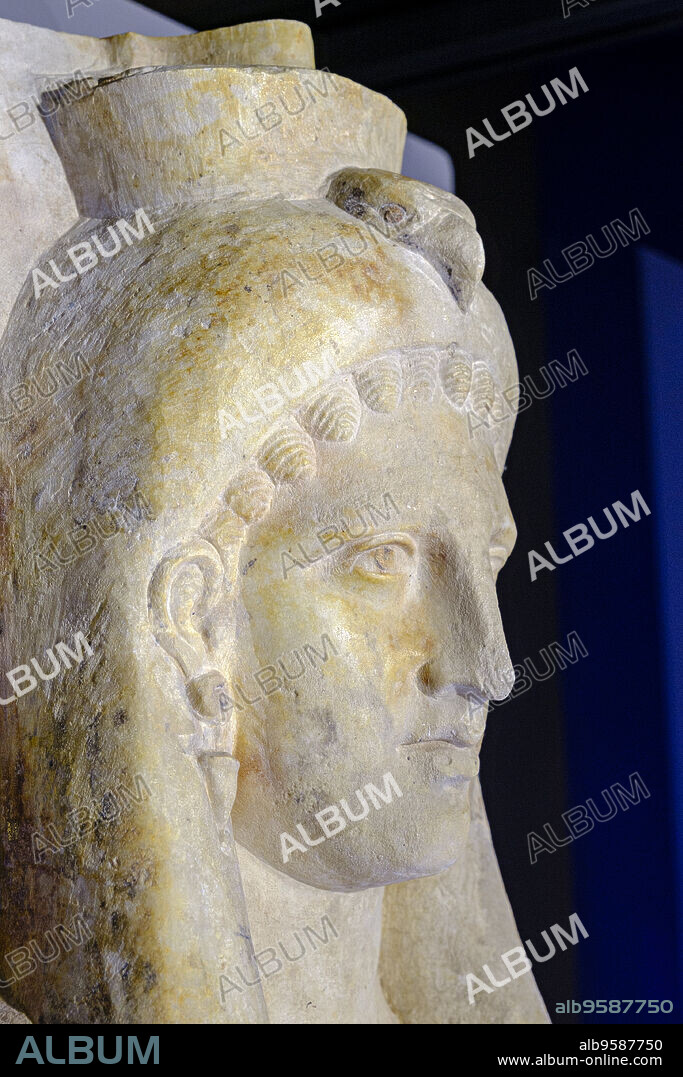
(471, 657)
(432, 683)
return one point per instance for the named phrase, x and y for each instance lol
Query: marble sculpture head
(310, 603)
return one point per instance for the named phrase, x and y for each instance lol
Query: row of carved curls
(288, 452)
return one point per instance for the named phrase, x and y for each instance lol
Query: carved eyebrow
(384, 538)
(378, 538)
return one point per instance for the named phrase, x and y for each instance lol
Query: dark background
(617, 147)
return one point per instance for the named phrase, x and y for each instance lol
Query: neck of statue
(318, 950)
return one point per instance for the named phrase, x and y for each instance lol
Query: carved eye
(387, 560)
(355, 202)
(392, 213)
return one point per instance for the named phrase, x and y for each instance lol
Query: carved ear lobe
(183, 589)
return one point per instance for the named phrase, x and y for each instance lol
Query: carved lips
(451, 760)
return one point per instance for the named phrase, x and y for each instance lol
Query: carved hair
(287, 454)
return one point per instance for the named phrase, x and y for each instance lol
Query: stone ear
(181, 594)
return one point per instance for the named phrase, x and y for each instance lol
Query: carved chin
(423, 844)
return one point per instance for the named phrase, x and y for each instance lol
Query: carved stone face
(405, 625)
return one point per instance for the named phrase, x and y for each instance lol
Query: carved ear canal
(183, 589)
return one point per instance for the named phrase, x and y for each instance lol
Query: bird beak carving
(432, 222)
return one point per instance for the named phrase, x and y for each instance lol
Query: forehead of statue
(415, 467)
